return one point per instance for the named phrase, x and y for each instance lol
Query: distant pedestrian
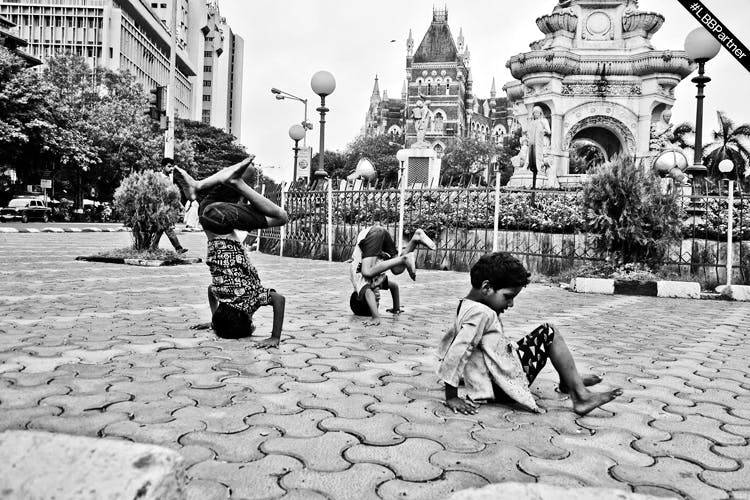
(191, 213)
(235, 292)
(476, 351)
(168, 170)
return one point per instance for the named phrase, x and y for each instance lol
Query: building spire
(409, 45)
(375, 97)
(493, 93)
(460, 41)
(404, 90)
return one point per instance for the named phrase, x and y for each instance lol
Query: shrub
(149, 204)
(629, 216)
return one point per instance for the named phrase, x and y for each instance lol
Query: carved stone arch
(395, 130)
(621, 131)
(439, 147)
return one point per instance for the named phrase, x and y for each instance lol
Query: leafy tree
(149, 203)
(213, 149)
(729, 142)
(468, 157)
(380, 150)
(624, 207)
(334, 163)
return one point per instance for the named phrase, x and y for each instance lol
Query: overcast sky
(287, 42)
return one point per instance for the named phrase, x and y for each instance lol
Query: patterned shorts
(533, 350)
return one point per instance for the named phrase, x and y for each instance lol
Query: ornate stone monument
(421, 165)
(598, 81)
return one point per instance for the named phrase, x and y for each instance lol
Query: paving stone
(639, 424)
(344, 407)
(302, 424)
(587, 469)
(24, 379)
(739, 430)
(415, 411)
(375, 430)
(24, 397)
(148, 390)
(615, 444)
(389, 393)
(359, 481)
(82, 424)
(215, 396)
(306, 375)
(324, 390)
(350, 363)
(303, 495)
(562, 421)
(320, 453)
(410, 460)
(455, 434)
(201, 489)
(718, 396)
(194, 454)
(714, 411)
(93, 357)
(35, 364)
(79, 404)
(152, 412)
(369, 377)
(703, 426)
(443, 487)
(689, 447)
(162, 434)
(285, 403)
(671, 474)
(254, 480)
(235, 447)
(225, 419)
(18, 419)
(203, 380)
(496, 463)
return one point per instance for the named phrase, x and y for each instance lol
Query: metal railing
(542, 227)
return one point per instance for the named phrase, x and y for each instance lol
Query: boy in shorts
(227, 206)
(476, 351)
(374, 254)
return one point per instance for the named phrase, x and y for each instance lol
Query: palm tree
(729, 142)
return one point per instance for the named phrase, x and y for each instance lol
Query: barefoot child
(374, 254)
(236, 292)
(476, 351)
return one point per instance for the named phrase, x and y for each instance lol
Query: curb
(610, 286)
(140, 262)
(740, 293)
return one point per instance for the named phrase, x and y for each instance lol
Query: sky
(287, 42)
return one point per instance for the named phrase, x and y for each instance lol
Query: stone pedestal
(422, 166)
(523, 178)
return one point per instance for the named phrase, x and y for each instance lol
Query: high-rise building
(10, 40)
(135, 35)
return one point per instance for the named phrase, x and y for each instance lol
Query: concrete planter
(609, 286)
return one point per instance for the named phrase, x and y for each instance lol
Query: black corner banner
(725, 37)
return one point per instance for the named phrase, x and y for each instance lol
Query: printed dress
(235, 281)
(476, 351)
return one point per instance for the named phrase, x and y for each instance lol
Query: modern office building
(135, 35)
(10, 40)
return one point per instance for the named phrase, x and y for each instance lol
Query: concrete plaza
(341, 411)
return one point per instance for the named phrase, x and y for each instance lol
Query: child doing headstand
(235, 292)
(476, 351)
(374, 254)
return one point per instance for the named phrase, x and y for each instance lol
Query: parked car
(26, 208)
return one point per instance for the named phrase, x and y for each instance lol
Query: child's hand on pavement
(371, 322)
(459, 405)
(395, 311)
(268, 343)
(201, 326)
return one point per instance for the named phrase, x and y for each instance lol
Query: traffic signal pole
(171, 87)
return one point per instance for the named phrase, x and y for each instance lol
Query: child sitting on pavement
(235, 292)
(476, 351)
(373, 255)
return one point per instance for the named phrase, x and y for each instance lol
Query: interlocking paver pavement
(344, 411)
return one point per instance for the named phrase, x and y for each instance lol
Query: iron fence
(543, 227)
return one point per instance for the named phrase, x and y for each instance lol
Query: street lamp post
(323, 83)
(700, 46)
(296, 133)
(281, 95)
(402, 155)
(725, 167)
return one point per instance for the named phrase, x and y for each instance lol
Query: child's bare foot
(588, 381)
(395, 311)
(235, 171)
(411, 265)
(421, 237)
(594, 400)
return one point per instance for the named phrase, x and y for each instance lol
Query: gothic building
(438, 76)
